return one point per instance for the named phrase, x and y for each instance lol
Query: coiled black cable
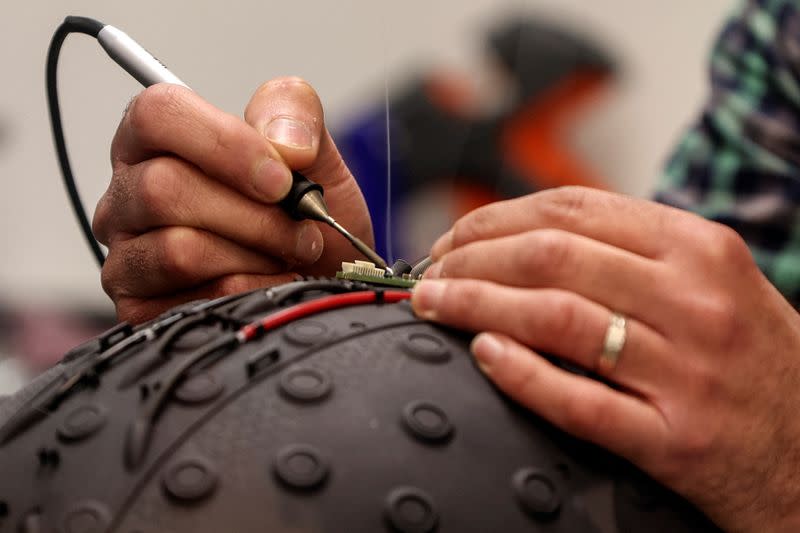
(70, 25)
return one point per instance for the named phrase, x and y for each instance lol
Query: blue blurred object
(432, 141)
(363, 145)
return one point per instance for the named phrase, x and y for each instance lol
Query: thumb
(288, 112)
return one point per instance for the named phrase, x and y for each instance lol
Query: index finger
(632, 224)
(172, 119)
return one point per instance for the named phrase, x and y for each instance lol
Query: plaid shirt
(740, 164)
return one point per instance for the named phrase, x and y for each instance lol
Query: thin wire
(70, 25)
(388, 222)
(141, 429)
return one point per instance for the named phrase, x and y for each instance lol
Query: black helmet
(335, 409)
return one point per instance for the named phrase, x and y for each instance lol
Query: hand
(188, 213)
(707, 385)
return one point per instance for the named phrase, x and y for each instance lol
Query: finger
(289, 113)
(167, 191)
(552, 321)
(173, 119)
(170, 260)
(136, 310)
(638, 226)
(610, 276)
(586, 408)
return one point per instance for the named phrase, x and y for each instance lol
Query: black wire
(70, 25)
(141, 429)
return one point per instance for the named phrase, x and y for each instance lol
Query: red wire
(316, 306)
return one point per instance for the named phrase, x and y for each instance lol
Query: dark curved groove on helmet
(223, 402)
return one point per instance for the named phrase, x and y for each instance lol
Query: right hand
(188, 213)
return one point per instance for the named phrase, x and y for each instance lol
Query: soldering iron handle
(300, 186)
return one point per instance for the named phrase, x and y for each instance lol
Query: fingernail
(442, 245)
(426, 298)
(434, 271)
(289, 132)
(272, 180)
(309, 243)
(488, 351)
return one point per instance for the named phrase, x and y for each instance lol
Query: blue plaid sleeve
(740, 163)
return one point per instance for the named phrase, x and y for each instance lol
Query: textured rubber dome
(358, 418)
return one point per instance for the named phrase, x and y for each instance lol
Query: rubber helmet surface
(356, 419)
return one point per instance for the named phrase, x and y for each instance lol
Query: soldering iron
(304, 200)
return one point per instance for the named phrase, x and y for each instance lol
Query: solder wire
(388, 222)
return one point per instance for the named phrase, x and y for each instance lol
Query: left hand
(708, 381)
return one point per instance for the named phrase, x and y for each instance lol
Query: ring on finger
(613, 343)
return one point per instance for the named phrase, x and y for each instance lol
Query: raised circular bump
(305, 384)
(190, 479)
(426, 347)
(196, 337)
(301, 466)
(82, 422)
(86, 517)
(307, 332)
(410, 510)
(200, 388)
(537, 492)
(427, 421)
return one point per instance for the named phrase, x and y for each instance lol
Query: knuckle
(564, 203)
(152, 107)
(705, 381)
(183, 251)
(581, 417)
(547, 254)
(463, 298)
(152, 187)
(101, 220)
(524, 384)
(692, 445)
(563, 319)
(717, 242)
(717, 313)
(732, 248)
(159, 188)
(225, 138)
(473, 227)
(108, 281)
(125, 265)
(233, 284)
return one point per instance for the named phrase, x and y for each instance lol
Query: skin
(182, 167)
(707, 385)
(708, 381)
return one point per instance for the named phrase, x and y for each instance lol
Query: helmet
(319, 405)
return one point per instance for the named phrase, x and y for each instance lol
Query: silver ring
(613, 343)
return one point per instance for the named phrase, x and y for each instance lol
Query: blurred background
(487, 99)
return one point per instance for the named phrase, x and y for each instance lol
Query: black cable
(70, 25)
(141, 429)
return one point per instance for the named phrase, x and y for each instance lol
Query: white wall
(225, 49)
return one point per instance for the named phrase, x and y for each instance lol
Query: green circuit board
(368, 273)
(389, 281)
